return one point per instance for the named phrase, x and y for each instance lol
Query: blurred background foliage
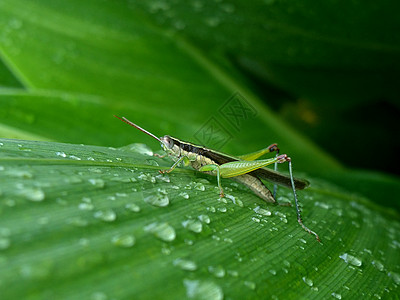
(329, 69)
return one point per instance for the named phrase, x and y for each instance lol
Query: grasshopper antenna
(123, 119)
(297, 203)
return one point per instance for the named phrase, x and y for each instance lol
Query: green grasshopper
(244, 169)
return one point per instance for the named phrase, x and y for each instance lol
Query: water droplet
(132, 207)
(207, 290)
(222, 209)
(395, 277)
(336, 295)
(217, 271)
(262, 211)
(250, 284)
(106, 215)
(179, 25)
(322, 205)
(124, 240)
(152, 162)
(60, 153)
(377, 264)
(1, 168)
(163, 231)
(308, 281)
(227, 7)
(97, 182)
(98, 296)
(205, 219)
(199, 186)
(211, 209)
(85, 206)
(33, 194)
(95, 170)
(257, 220)
(22, 148)
(159, 199)
(272, 271)
(193, 225)
(188, 242)
(235, 201)
(74, 157)
(140, 148)
(350, 259)
(147, 177)
(163, 177)
(184, 195)
(185, 264)
(233, 273)
(78, 222)
(212, 21)
(4, 243)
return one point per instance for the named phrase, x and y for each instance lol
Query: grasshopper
(244, 169)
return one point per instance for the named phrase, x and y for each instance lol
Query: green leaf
(81, 221)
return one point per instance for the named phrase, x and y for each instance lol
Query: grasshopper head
(167, 143)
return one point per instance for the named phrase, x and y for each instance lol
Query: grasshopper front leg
(178, 161)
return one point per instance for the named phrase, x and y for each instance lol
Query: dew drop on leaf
(132, 207)
(159, 198)
(199, 186)
(250, 284)
(107, 215)
(217, 271)
(85, 206)
(78, 222)
(193, 225)
(163, 231)
(34, 194)
(350, 259)
(60, 153)
(262, 211)
(98, 296)
(185, 264)
(336, 295)
(97, 182)
(205, 219)
(378, 265)
(147, 177)
(124, 241)
(308, 281)
(395, 277)
(203, 290)
(184, 195)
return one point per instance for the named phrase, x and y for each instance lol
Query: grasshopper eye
(167, 142)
